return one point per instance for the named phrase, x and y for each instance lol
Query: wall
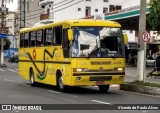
(60, 12)
(33, 11)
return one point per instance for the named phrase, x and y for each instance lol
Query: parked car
(150, 61)
(13, 58)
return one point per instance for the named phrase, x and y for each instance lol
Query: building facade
(32, 12)
(11, 23)
(59, 10)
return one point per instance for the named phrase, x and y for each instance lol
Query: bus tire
(103, 88)
(60, 83)
(32, 80)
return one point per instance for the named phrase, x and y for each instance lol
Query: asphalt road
(15, 90)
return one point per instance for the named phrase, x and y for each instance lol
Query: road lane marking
(54, 91)
(7, 80)
(114, 85)
(101, 102)
(26, 85)
(2, 70)
(12, 70)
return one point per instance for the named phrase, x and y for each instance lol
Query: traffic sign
(146, 36)
(3, 35)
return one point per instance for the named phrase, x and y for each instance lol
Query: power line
(52, 8)
(52, 5)
(64, 4)
(56, 10)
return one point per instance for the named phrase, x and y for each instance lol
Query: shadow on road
(73, 90)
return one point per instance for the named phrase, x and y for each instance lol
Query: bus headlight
(119, 69)
(80, 70)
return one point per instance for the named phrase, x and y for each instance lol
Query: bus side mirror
(125, 38)
(70, 34)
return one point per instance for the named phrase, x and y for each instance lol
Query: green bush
(137, 82)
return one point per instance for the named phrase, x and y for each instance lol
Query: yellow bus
(73, 53)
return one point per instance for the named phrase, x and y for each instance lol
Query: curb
(140, 89)
(2, 66)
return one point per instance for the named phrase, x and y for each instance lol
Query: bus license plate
(99, 82)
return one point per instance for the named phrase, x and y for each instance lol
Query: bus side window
(65, 43)
(22, 40)
(58, 35)
(32, 39)
(26, 40)
(48, 37)
(39, 39)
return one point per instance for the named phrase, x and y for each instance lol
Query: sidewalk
(131, 75)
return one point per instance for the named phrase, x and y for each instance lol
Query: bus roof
(76, 22)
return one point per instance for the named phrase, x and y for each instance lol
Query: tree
(7, 45)
(154, 16)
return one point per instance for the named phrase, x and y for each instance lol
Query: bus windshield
(97, 42)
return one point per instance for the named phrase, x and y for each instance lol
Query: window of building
(118, 7)
(26, 40)
(48, 37)
(105, 0)
(39, 39)
(105, 10)
(114, 7)
(22, 40)
(10, 19)
(131, 31)
(58, 35)
(48, 11)
(79, 9)
(32, 39)
(96, 10)
(88, 11)
(111, 8)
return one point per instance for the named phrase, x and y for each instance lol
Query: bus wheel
(103, 88)
(60, 84)
(32, 81)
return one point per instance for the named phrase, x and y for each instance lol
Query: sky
(13, 6)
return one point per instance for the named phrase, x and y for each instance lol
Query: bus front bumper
(97, 80)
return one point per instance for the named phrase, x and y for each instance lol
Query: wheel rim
(61, 85)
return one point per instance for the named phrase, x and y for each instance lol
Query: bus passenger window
(58, 35)
(39, 39)
(22, 40)
(26, 40)
(65, 43)
(32, 39)
(48, 37)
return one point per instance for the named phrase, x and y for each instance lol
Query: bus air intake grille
(102, 78)
(101, 63)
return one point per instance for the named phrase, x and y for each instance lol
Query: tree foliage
(154, 16)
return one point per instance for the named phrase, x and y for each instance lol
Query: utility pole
(141, 65)
(3, 29)
(22, 13)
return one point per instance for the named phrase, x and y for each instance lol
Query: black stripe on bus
(40, 61)
(83, 74)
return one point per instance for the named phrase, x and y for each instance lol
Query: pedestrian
(156, 70)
